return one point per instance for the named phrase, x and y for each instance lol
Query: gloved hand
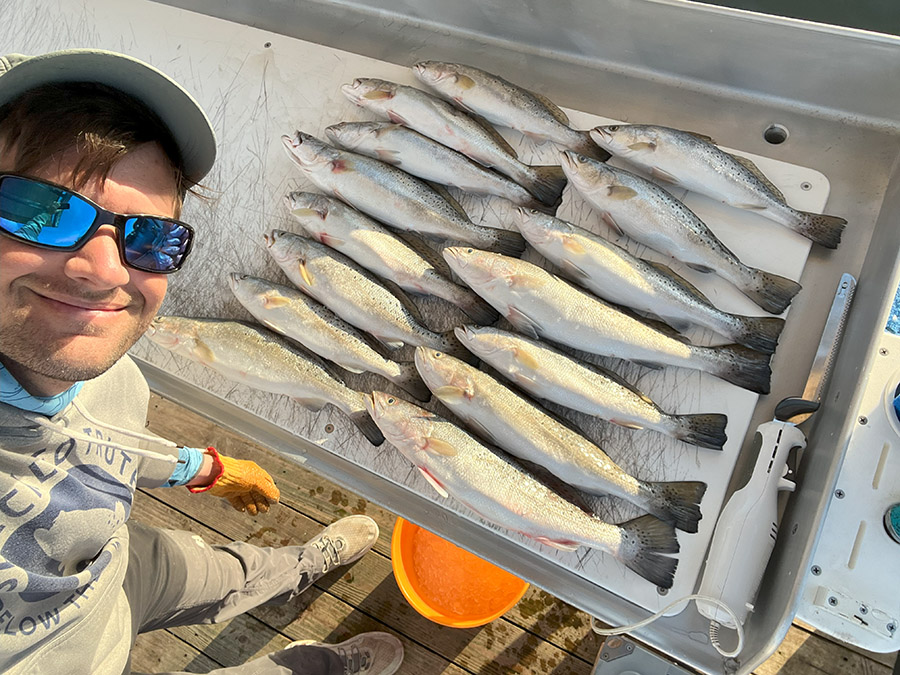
(245, 484)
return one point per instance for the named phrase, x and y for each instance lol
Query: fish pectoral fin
(643, 145)
(523, 323)
(755, 170)
(450, 394)
(203, 353)
(432, 481)
(572, 245)
(526, 359)
(664, 176)
(377, 94)
(440, 447)
(562, 545)
(697, 267)
(620, 193)
(330, 240)
(464, 81)
(311, 404)
(274, 299)
(305, 273)
(613, 225)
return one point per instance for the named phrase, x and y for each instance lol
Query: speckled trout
(549, 375)
(441, 122)
(354, 294)
(694, 162)
(540, 304)
(392, 196)
(258, 358)
(456, 464)
(647, 213)
(299, 317)
(409, 150)
(381, 252)
(517, 425)
(650, 288)
(501, 102)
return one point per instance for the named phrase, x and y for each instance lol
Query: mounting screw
(806, 185)
(863, 419)
(604, 656)
(816, 570)
(662, 591)
(795, 528)
(891, 627)
(883, 351)
(863, 610)
(329, 428)
(839, 493)
(629, 648)
(267, 45)
(833, 601)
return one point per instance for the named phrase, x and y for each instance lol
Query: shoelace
(330, 549)
(356, 662)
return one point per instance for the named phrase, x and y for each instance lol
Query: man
(106, 135)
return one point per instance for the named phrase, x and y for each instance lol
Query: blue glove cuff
(190, 461)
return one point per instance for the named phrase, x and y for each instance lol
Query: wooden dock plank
(161, 651)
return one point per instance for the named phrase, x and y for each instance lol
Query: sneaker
(345, 541)
(364, 654)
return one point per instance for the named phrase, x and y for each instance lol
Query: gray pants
(175, 578)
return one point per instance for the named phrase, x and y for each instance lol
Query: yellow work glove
(246, 485)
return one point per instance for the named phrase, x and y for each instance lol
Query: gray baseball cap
(178, 110)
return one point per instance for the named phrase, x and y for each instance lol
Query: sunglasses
(53, 217)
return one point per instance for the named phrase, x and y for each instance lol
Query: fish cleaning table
(257, 85)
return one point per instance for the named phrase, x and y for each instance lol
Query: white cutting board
(257, 86)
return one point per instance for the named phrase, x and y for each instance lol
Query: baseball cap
(175, 107)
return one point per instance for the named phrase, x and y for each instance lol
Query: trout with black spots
(456, 464)
(540, 304)
(517, 425)
(392, 196)
(694, 162)
(258, 358)
(647, 213)
(442, 122)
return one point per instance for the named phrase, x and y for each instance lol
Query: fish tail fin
(676, 502)
(367, 426)
(507, 242)
(644, 540)
(476, 308)
(770, 291)
(706, 430)
(451, 346)
(410, 382)
(822, 229)
(588, 148)
(547, 183)
(741, 366)
(759, 332)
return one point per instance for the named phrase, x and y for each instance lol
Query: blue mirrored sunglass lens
(155, 244)
(42, 213)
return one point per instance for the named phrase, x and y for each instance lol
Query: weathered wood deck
(540, 635)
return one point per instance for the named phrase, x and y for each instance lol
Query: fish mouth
(235, 278)
(465, 334)
(604, 135)
(454, 256)
(158, 334)
(374, 404)
(569, 159)
(351, 91)
(424, 72)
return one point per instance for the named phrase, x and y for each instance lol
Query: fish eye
(470, 250)
(438, 355)
(391, 400)
(533, 212)
(614, 127)
(582, 159)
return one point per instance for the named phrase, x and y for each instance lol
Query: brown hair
(102, 123)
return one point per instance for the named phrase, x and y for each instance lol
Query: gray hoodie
(66, 488)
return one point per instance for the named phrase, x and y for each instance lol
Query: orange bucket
(447, 584)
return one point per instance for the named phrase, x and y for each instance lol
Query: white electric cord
(713, 625)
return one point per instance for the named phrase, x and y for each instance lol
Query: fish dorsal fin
(404, 299)
(701, 137)
(420, 246)
(552, 108)
(752, 168)
(677, 278)
(450, 199)
(432, 481)
(615, 377)
(493, 133)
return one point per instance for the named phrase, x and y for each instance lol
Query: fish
(647, 213)
(548, 374)
(429, 160)
(257, 357)
(354, 294)
(694, 162)
(457, 464)
(372, 246)
(438, 120)
(506, 104)
(392, 196)
(653, 289)
(296, 315)
(541, 305)
(512, 422)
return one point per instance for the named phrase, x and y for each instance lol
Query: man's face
(69, 316)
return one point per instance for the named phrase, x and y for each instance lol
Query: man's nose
(98, 262)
